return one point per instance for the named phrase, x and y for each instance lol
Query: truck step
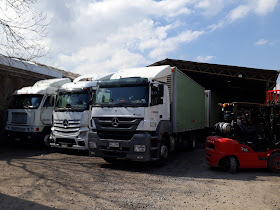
(154, 137)
(154, 148)
(154, 159)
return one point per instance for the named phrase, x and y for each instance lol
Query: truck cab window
(130, 95)
(49, 102)
(26, 101)
(103, 95)
(156, 94)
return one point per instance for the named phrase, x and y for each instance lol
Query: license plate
(114, 144)
(64, 145)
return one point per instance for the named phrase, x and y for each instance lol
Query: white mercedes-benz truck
(30, 113)
(141, 114)
(72, 112)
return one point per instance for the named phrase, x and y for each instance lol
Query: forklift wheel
(274, 162)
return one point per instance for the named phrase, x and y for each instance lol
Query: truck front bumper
(121, 148)
(69, 142)
(25, 136)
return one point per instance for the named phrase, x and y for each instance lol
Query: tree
(22, 30)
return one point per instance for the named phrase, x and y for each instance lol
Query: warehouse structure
(229, 83)
(15, 74)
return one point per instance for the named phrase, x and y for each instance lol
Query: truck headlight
(51, 136)
(83, 134)
(139, 148)
(92, 145)
(92, 124)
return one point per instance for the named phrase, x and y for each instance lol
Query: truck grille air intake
(70, 128)
(19, 117)
(117, 128)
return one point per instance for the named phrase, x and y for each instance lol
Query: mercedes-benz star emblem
(65, 123)
(115, 122)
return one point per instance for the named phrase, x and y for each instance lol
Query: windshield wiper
(64, 109)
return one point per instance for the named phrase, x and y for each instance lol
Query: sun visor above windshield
(36, 90)
(78, 85)
(93, 77)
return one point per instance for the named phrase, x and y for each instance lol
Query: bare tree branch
(22, 30)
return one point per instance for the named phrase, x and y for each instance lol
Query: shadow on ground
(10, 202)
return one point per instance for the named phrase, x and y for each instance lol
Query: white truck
(72, 112)
(141, 114)
(30, 113)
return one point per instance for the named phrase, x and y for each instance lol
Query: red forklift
(248, 136)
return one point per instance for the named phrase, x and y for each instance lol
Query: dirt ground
(36, 178)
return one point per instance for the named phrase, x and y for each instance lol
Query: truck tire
(232, 165)
(47, 140)
(274, 162)
(182, 144)
(163, 151)
(192, 141)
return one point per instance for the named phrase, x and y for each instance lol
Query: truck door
(47, 110)
(156, 104)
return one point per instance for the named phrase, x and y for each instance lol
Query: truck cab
(141, 114)
(72, 113)
(128, 117)
(30, 113)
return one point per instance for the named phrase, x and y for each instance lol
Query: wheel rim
(193, 144)
(276, 163)
(164, 151)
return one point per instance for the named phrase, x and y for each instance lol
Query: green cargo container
(188, 103)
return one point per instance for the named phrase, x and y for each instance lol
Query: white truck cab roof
(93, 77)
(158, 73)
(48, 86)
(78, 85)
(86, 81)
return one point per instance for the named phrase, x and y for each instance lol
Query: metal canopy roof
(229, 83)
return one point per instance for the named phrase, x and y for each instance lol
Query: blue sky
(89, 36)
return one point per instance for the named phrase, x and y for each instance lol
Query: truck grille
(65, 141)
(70, 128)
(115, 135)
(17, 129)
(19, 117)
(121, 128)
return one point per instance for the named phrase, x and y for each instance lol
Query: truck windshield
(73, 100)
(122, 96)
(26, 101)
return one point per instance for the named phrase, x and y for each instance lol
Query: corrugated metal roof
(229, 83)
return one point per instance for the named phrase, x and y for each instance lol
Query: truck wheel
(164, 151)
(232, 165)
(274, 162)
(110, 160)
(182, 145)
(192, 141)
(47, 140)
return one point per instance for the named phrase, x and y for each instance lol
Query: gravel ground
(33, 178)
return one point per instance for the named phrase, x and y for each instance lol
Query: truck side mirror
(160, 90)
